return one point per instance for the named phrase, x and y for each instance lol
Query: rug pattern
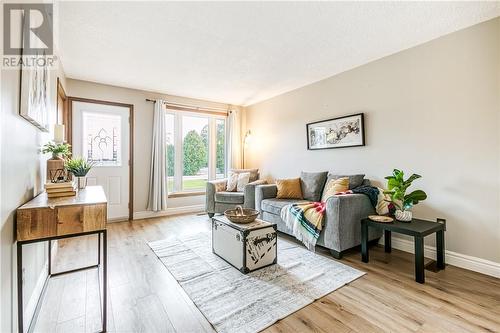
(234, 302)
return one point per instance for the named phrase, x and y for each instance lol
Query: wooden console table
(43, 219)
(418, 229)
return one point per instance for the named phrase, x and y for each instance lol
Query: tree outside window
(195, 150)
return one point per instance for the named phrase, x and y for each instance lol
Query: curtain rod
(194, 107)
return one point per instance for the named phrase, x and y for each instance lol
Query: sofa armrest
(218, 185)
(264, 192)
(213, 186)
(342, 224)
(249, 192)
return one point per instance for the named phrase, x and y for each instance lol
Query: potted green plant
(79, 168)
(396, 188)
(58, 150)
(55, 164)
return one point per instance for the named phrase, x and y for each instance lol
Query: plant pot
(82, 182)
(55, 169)
(403, 215)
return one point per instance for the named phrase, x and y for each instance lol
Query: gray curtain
(158, 193)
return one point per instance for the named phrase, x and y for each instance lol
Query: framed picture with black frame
(341, 132)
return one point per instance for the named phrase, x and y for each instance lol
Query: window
(101, 138)
(170, 152)
(220, 149)
(194, 152)
(196, 149)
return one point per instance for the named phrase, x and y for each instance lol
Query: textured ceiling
(244, 52)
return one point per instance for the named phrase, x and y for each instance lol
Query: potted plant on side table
(55, 165)
(79, 168)
(396, 188)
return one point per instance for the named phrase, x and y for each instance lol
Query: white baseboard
(170, 211)
(453, 258)
(117, 219)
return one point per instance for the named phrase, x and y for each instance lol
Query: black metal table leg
(440, 249)
(364, 242)
(104, 279)
(20, 309)
(49, 259)
(419, 260)
(99, 249)
(387, 241)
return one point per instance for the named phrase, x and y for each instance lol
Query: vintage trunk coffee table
(248, 246)
(416, 228)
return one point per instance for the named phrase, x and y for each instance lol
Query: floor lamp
(246, 141)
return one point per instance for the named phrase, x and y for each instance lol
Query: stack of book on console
(65, 189)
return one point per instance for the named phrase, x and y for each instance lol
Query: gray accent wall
(432, 109)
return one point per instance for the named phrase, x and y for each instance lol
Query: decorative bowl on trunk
(241, 215)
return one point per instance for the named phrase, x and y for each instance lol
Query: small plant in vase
(55, 164)
(79, 168)
(396, 188)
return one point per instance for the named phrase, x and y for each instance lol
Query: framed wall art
(341, 132)
(35, 87)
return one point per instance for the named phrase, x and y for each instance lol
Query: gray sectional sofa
(341, 224)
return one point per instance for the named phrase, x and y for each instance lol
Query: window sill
(185, 194)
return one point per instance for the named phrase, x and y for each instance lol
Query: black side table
(416, 228)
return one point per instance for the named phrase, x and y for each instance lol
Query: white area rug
(234, 302)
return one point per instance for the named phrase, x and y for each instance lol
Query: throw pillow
(383, 202)
(289, 188)
(254, 173)
(243, 180)
(232, 182)
(334, 187)
(312, 184)
(354, 180)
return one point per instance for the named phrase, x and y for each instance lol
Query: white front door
(101, 134)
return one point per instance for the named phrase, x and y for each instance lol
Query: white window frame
(212, 148)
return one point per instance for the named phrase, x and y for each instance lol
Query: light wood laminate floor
(144, 297)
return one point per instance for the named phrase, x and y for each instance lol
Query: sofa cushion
(229, 197)
(254, 173)
(334, 187)
(289, 188)
(312, 184)
(274, 206)
(243, 180)
(232, 182)
(354, 180)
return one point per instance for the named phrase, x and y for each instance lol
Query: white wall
(432, 109)
(22, 175)
(143, 124)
